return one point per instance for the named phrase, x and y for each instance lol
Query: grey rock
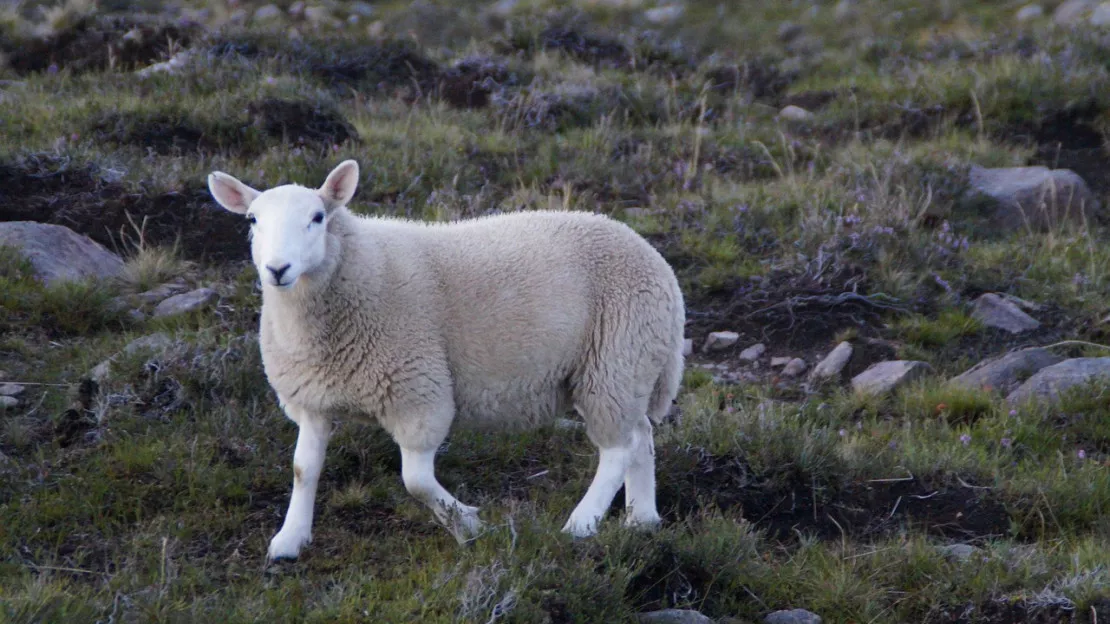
(673, 616)
(318, 15)
(845, 11)
(1071, 11)
(792, 616)
(7, 402)
(1101, 15)
(1029, 12)
(886, 377)
(1048, 383)
(795, 368)
(569, 425)
(717, 341)
(833, 363)
(57, 253)
(157, 344)
(267, 12)
(795, 113)
(753, 352)
(958, 552)
(994, 311)
(161, 293)
(11, 389)
(1003, 374)
(363, 9)
(1042, 197)
(185, 302)
(664, 14)
(789, 31)
(687, 347)
(297, 9)
(776, 362)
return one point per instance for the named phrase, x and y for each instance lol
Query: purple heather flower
(1013, 413)
(966, 439)
(1006, 442)
(844, 432)
(1081, 454)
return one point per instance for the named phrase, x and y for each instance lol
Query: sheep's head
(289, 222)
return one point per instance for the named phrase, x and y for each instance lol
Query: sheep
(500, 321)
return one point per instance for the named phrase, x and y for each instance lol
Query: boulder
(886, 377)
(1004, 314)
(1071, 11)
(57, 253)
(1003, 374)
(1049, 382)
(185, 302)
(1038, 196)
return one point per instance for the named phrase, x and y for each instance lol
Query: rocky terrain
(889, 219)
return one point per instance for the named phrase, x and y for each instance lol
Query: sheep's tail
(666, 387)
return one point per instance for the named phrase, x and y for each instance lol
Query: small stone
(11, 389)
(673, 616)
(780, 361)
(1036, 196)
(1005, 373)
(186, 302)
(238, 16)
(795, 113)
(504, 8)
(1071, 11)
(156, 343)
(161, 293)
(1029, 12)
(296, 10)
(267, 12)
(687, 347)
(845, 10)
(664, 14)
(795, 368)
(567, 424)
(886, 377)
(994, 311)
(363, 9)
(792, 616)
(1101, 15)
(8, 402)
(136, 316)
(833, 363)
(318, 15)
(789, 31)
(753, 352)
(717, 341)
(958, 552)
(1050, 382)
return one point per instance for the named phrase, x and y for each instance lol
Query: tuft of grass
(948, 326)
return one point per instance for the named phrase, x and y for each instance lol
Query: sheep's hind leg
(639, 482)
(611, 467)
(308, 462)
(418, 474)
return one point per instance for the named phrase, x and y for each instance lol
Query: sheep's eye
(251, 219)
(319, 218)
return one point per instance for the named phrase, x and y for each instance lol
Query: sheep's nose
(279, 271)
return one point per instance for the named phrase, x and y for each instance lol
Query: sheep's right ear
(230, 192)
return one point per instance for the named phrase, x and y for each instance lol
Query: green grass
(153, 496)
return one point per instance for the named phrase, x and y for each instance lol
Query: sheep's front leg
(418, 474)
(308, 463)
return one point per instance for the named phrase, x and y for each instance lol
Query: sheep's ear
(339, 187)
(230, 192)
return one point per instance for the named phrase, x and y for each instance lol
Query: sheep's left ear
(340, 186)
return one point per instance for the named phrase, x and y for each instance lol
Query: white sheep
(502, 320)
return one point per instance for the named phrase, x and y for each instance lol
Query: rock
(795, 113)
(1042, 197)
(834, 362)
(789, 31)
(1101, 15)
(185, 302)
(687, 347)
(297, 9)
(664, 14)
(776, 362)
(362, 9)
(57, 253)
(795, 368)
(753, 352)
(887, 376)
(1003, 374)
(318, 15)
(161, 293)
(958, 552)
(504, 8)
(1071, 11)
(7, 402)
(157, 343)
(673, 616)
(176, 62)
(994, 311)
(716, 341)
(238, 16)
(1048, 383)
(568, 424)
(11, 389)
(845, 11)
(267, 12)
(1029, 12)
(792, 616)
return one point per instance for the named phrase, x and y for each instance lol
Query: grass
(152, 495)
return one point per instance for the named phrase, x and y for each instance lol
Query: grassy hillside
(151, 494)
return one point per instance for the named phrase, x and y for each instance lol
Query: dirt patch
(789, 504)
(97, 43)
(761, 78)
(301, 122)
(1009, 612)
(85, 199)
(585, 47)
(162, 133)
(668, 579)
(470, 83)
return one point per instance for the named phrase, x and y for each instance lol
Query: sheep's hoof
(287, 545)
(464, 524)
(648, 523)
(579, 529)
